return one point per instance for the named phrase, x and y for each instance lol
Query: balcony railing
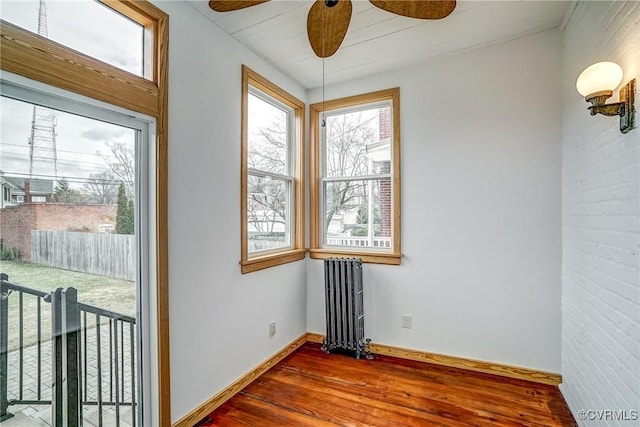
(89, 359)
(374, 242)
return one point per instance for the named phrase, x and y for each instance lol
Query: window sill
(271, 260)
(367, 257)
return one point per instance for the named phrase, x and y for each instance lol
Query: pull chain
(324, 122)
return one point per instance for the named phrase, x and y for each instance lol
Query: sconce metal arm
(625, 108)
(613, 109)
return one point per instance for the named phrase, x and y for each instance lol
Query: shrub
(9, 254)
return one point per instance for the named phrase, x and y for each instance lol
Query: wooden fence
(112, 255)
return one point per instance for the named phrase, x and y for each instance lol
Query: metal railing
(91, 352)
(376, 242)
(6, 289)
(121, 361)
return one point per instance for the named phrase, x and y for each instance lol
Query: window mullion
(356, 178)
(265, 174)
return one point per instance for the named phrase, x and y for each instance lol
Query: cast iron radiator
(344, 306)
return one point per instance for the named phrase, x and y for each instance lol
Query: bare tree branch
(121, 162)
(102, 188)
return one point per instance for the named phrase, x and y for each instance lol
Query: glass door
(73, 259)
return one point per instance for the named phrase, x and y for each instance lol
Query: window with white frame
(355, 190)
(271, 163)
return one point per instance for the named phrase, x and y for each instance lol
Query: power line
(69, 162)
(70, 179)
(60, 151)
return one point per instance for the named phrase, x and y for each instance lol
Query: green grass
(105, 292)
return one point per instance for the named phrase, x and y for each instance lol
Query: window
(355, 172)
(102, 32)
(20, 199)
(117, 262)
(272, 190)
(38, 60)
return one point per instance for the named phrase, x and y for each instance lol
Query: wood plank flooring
(312, 388)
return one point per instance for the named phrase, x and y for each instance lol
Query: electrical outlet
(406, 321)
(272, 328)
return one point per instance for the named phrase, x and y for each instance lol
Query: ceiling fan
(328, 20)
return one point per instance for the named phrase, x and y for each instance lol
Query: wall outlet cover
(406, 321)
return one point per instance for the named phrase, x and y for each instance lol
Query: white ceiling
(378, 40)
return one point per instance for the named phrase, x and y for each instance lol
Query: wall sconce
(596, 84)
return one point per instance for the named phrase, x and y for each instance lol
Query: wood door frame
(27, 54)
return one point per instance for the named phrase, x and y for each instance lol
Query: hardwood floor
(312, 388)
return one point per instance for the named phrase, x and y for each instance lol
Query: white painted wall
(481, 234)
(601, 227)
(219, 318)
(481, 180)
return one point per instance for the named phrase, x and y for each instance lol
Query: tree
(125, 215)
(347, 136)
(101, 188)
(121, 164)
(64, 194)
(346, 156)
(267, 204)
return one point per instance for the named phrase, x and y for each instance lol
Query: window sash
(356, 242)
(370, 241)
(290, 127)
(288, 178)
(349, 110)
(289, 214)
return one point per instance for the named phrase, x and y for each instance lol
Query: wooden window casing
(32, 56)
(317, 249)
(250, 262)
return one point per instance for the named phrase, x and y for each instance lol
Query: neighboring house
(19, 190)
(5, 191)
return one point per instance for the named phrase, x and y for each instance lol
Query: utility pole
(43, 156)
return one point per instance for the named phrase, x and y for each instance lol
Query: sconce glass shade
(599, 77)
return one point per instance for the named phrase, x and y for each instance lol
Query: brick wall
(384, 132)
(385, 200)
(601, 228)
(16, 222)
(384, 123)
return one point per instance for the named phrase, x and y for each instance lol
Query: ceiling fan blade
(231, 5)
(422, 9)
(327, 24)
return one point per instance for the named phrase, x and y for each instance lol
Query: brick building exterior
(384, 124)
(16, 222)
